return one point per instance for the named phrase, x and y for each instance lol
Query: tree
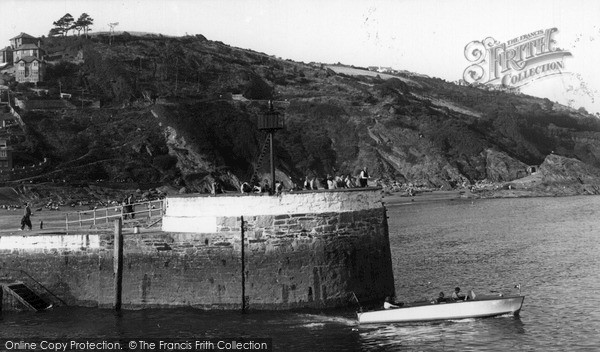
(55, 32)
(64, 24)
(77, 27)
(84, 22)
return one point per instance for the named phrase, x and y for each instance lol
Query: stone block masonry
(306, 249)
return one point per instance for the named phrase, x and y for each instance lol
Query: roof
(29, 59)
(27, 47)
(8, 48)
(23, 35)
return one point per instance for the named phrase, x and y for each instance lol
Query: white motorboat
(429, 311)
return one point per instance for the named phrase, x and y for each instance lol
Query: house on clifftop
(26, 56)
(6, 56)
(30, 69)
(23, 39)
(27, 50)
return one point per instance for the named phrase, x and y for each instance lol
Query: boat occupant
(387, 304)
(441, 298)
(457, 296)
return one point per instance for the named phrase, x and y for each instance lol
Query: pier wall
(306, 249)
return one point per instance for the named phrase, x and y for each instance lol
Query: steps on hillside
(25, 296)
(265, 148)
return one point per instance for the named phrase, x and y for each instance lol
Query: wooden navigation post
(272, 158)
(118, 264)
(271, 122)
(243, 255)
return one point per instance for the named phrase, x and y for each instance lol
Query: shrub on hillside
(258, 89)
(64, 70)
(165, 162)
(392, 87)
(24, 87)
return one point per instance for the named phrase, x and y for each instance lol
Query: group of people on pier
(338, 181)
(312, 183)
(265, 187)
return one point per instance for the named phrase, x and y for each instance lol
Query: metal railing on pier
(145, 214)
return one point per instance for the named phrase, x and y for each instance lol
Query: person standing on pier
(308, 184)
(278, 187)
(364, 177)
(349, 182)
(130, 202)
(26, 219)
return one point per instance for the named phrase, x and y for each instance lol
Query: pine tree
(64, 24)
(84, 22)
(56, 31)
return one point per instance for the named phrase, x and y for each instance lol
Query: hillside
(183, 112)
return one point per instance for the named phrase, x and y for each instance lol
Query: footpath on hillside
(9, 195)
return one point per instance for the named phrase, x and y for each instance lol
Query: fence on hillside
(24, 172)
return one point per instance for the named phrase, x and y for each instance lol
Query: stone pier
(303, 249)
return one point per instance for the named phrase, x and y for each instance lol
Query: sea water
(550, 246)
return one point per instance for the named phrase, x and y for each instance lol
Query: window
(2, 153)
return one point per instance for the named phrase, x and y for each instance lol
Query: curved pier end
(302, 249)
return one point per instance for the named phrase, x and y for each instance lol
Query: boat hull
(478, 308)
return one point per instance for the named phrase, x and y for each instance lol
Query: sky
(422, 36)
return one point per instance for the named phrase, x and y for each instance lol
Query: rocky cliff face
(557, 175)
(196, 104)
(572, 175)
(500, 167)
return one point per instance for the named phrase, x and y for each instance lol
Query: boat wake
(507, 315)
(313, 325)
(399, 334)
(315, 320)
(466, 320)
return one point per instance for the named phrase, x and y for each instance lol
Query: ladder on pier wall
(19, 296)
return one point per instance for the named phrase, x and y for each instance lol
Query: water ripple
(548, 245)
